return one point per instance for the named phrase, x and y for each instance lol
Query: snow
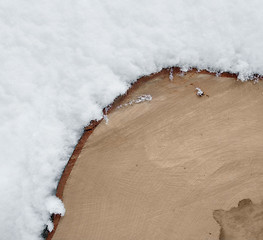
(171, 76)
(140, 99)
(199, 92)
(63, 61)
(105, 117)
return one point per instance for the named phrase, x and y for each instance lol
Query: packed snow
(63, 61)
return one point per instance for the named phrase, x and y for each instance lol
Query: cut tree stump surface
(173, 167)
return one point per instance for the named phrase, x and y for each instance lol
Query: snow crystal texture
(62, 61)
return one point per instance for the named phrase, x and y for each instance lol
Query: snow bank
(62, 61)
